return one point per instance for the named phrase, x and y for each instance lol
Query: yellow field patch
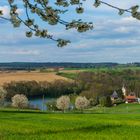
(6, 77)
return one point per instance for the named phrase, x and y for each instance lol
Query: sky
(114, 38)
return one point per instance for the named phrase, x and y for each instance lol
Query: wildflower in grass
(63, 103)
(20, 101)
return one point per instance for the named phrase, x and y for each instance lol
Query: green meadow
(72, 73)
(124, 124)
(115, 68)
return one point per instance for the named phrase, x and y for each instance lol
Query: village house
(114, 96)
(129, 97)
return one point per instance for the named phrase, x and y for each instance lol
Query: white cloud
(119, 3)
(124, 21)
(99, 43)
(115, 38)
(123, 29)
(6, 10)
(20, 52)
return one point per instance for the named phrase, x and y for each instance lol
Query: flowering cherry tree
(20, 101)
(81, 103)
(63, 103)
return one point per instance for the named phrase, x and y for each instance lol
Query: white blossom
(63, 103)
(81, 102)
(20, 101)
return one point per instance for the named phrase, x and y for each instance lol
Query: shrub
(20, 101)
(105, 101)
(94, 101)
(102, 101)
(51, 105)
(118, 101)
(81, 103)
(3, 94)
(73, 98)
(108, 102)
(63, 103)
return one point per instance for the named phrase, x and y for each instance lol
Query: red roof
(130, 97)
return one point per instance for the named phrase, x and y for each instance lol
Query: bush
(51, 105)
(81, 103)
(108, 101)
(3, 94)
(20, 101)
(118, 101)
(73, 98)
(63, 103)
(93, 101)
(105, 101)
(102, 101)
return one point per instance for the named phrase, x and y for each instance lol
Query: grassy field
(6, 77)
(122, 108)
(116, 123)
(23, 125)
(68, 75)
(121, 68)
(72, 73)
(65, 74)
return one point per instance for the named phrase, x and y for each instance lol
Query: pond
(40, 103)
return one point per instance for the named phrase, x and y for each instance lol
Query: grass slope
(122, 108)
(72, 73)
(68, 75)
(38, 126)
(117, 68)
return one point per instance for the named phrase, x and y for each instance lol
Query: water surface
(40, 103)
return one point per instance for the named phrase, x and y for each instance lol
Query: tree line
(103, 83)
(36, 89)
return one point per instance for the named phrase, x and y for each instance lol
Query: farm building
(131, 98)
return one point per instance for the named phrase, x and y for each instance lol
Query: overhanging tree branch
(112, 6)
(52, 16)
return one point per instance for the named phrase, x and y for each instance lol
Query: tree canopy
(51, 13)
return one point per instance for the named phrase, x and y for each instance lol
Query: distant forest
(35, 65)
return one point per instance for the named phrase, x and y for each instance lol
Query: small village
(128, 97)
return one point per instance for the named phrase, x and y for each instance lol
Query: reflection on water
(40, 103)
